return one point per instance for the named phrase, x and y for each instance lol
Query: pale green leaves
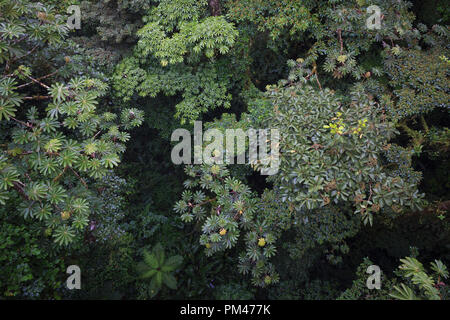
(59, 92)
(64, 235)
(53, 145)
(403, 293)
(110, 160)
(36, 191)
(7, 109)
(415, 272)
(8, 176)
(58, 140)
(11, 31)
(213, 33)
(440, 268)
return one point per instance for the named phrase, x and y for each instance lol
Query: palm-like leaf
(403, 293)
(151, 260)
(159, 269)
(172, 263)
(440, 268)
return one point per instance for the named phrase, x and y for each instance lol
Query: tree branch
(81, 179)
(38, 79)
(339, 32)
(214, 6)
(37, 98)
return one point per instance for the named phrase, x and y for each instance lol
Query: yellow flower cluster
(361, 124)
(339, 127)
(261, 242)
(445, 59)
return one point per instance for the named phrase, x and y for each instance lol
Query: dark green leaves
(159, 269)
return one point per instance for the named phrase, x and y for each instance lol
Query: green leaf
(170, 281)
(172, 263)
(403, 293)
(110, 160)
(58, 91)
(64, 235)
(440, 268)
(158, 251)
(151, 260)
(7, 110)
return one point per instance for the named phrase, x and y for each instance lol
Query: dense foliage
(86, 176)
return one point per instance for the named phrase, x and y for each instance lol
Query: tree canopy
(87, 179)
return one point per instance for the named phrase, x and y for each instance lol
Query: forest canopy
(95, 93)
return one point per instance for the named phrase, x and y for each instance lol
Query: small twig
(339, 31)
(36, 98)
(21, 39)
(28, 53)
(28, 176)
(11, 61)
(81, 179)
(38, 79)
(26, 124)
(95, 136)
(317, 79)
(202, 203)
(60, 175)
(314, 71)
(19, 187)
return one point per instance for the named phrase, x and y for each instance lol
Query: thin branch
(12, 60)
(339, 31)
(81, 179)
(314, 72)
(202, 203)
(26, 54)
(370, 194)
(38, 79)
(318, 82)
(60, 175)
(20, 39)
(95, 136)
(26, 124)
(19, 186)
(36, 98)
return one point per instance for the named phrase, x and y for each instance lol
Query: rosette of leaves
(159, 269)
(421, 285)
